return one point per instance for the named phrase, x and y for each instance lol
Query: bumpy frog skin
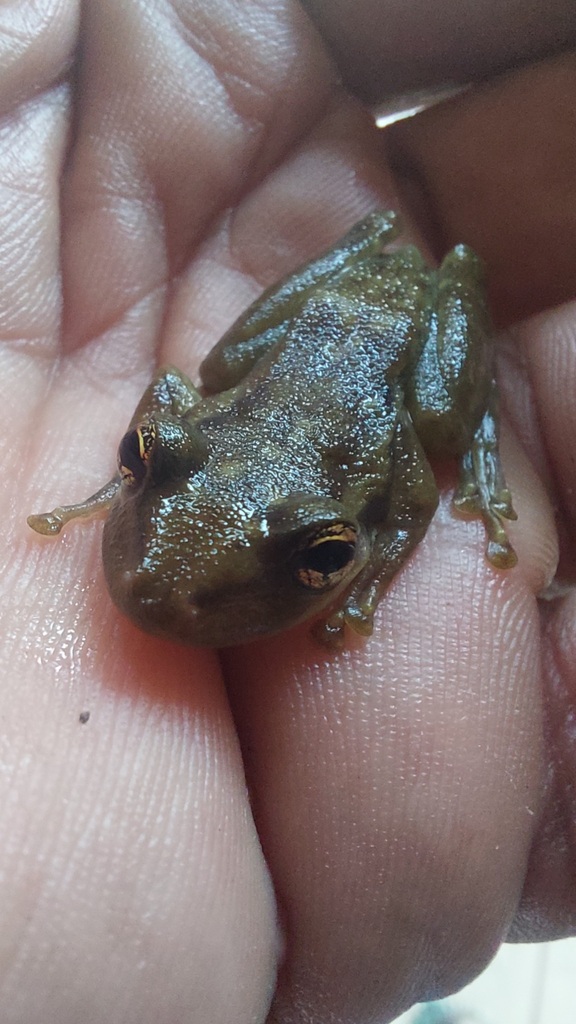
(302, 485)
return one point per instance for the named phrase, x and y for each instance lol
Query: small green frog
(299, 486)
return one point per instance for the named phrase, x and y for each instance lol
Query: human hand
(160, 164)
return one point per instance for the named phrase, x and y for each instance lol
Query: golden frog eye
(134, 452)
(323, 562)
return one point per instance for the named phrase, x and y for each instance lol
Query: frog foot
(360, 616)
(50, 523)
(482, 492)
(471, 502)
(47, 523)
(357, 614)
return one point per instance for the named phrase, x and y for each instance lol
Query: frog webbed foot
(482, 492)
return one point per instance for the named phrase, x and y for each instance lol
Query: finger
(385, 49)
(397, 786)
(36, 44)
(496, 166)
(548, 907)
(150, 804)
(507, 151)
(485, 153)
(133, 878)
(498, 191)
(181, 109)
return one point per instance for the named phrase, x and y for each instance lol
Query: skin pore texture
(279, 834)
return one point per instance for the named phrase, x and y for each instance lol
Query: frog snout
(178, 612)
(146, 600)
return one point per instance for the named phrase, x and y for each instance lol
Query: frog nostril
(198, 599)
(137, 586)
(127, 579)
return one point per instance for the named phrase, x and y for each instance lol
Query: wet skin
(299, 488)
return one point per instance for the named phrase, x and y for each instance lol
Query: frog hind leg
(263, 324)
(410, 500)
(452, 397)
(169, 392)
(482, 490)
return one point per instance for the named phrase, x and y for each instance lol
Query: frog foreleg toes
(47, 523)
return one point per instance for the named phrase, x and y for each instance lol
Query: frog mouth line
(206, 620)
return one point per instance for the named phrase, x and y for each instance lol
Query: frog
(297, 482)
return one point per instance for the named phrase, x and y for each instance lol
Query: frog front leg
(170, 392)
(410, 500)
(262, 325)
(452, 397)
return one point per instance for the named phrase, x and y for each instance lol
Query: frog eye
(324, 561)
(134, 453)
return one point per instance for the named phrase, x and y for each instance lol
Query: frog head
(197, 549)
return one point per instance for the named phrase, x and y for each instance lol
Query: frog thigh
(411, 498)
(453, 399)
(449, 387)
(258, 329)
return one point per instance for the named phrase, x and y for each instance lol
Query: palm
(396, 788)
